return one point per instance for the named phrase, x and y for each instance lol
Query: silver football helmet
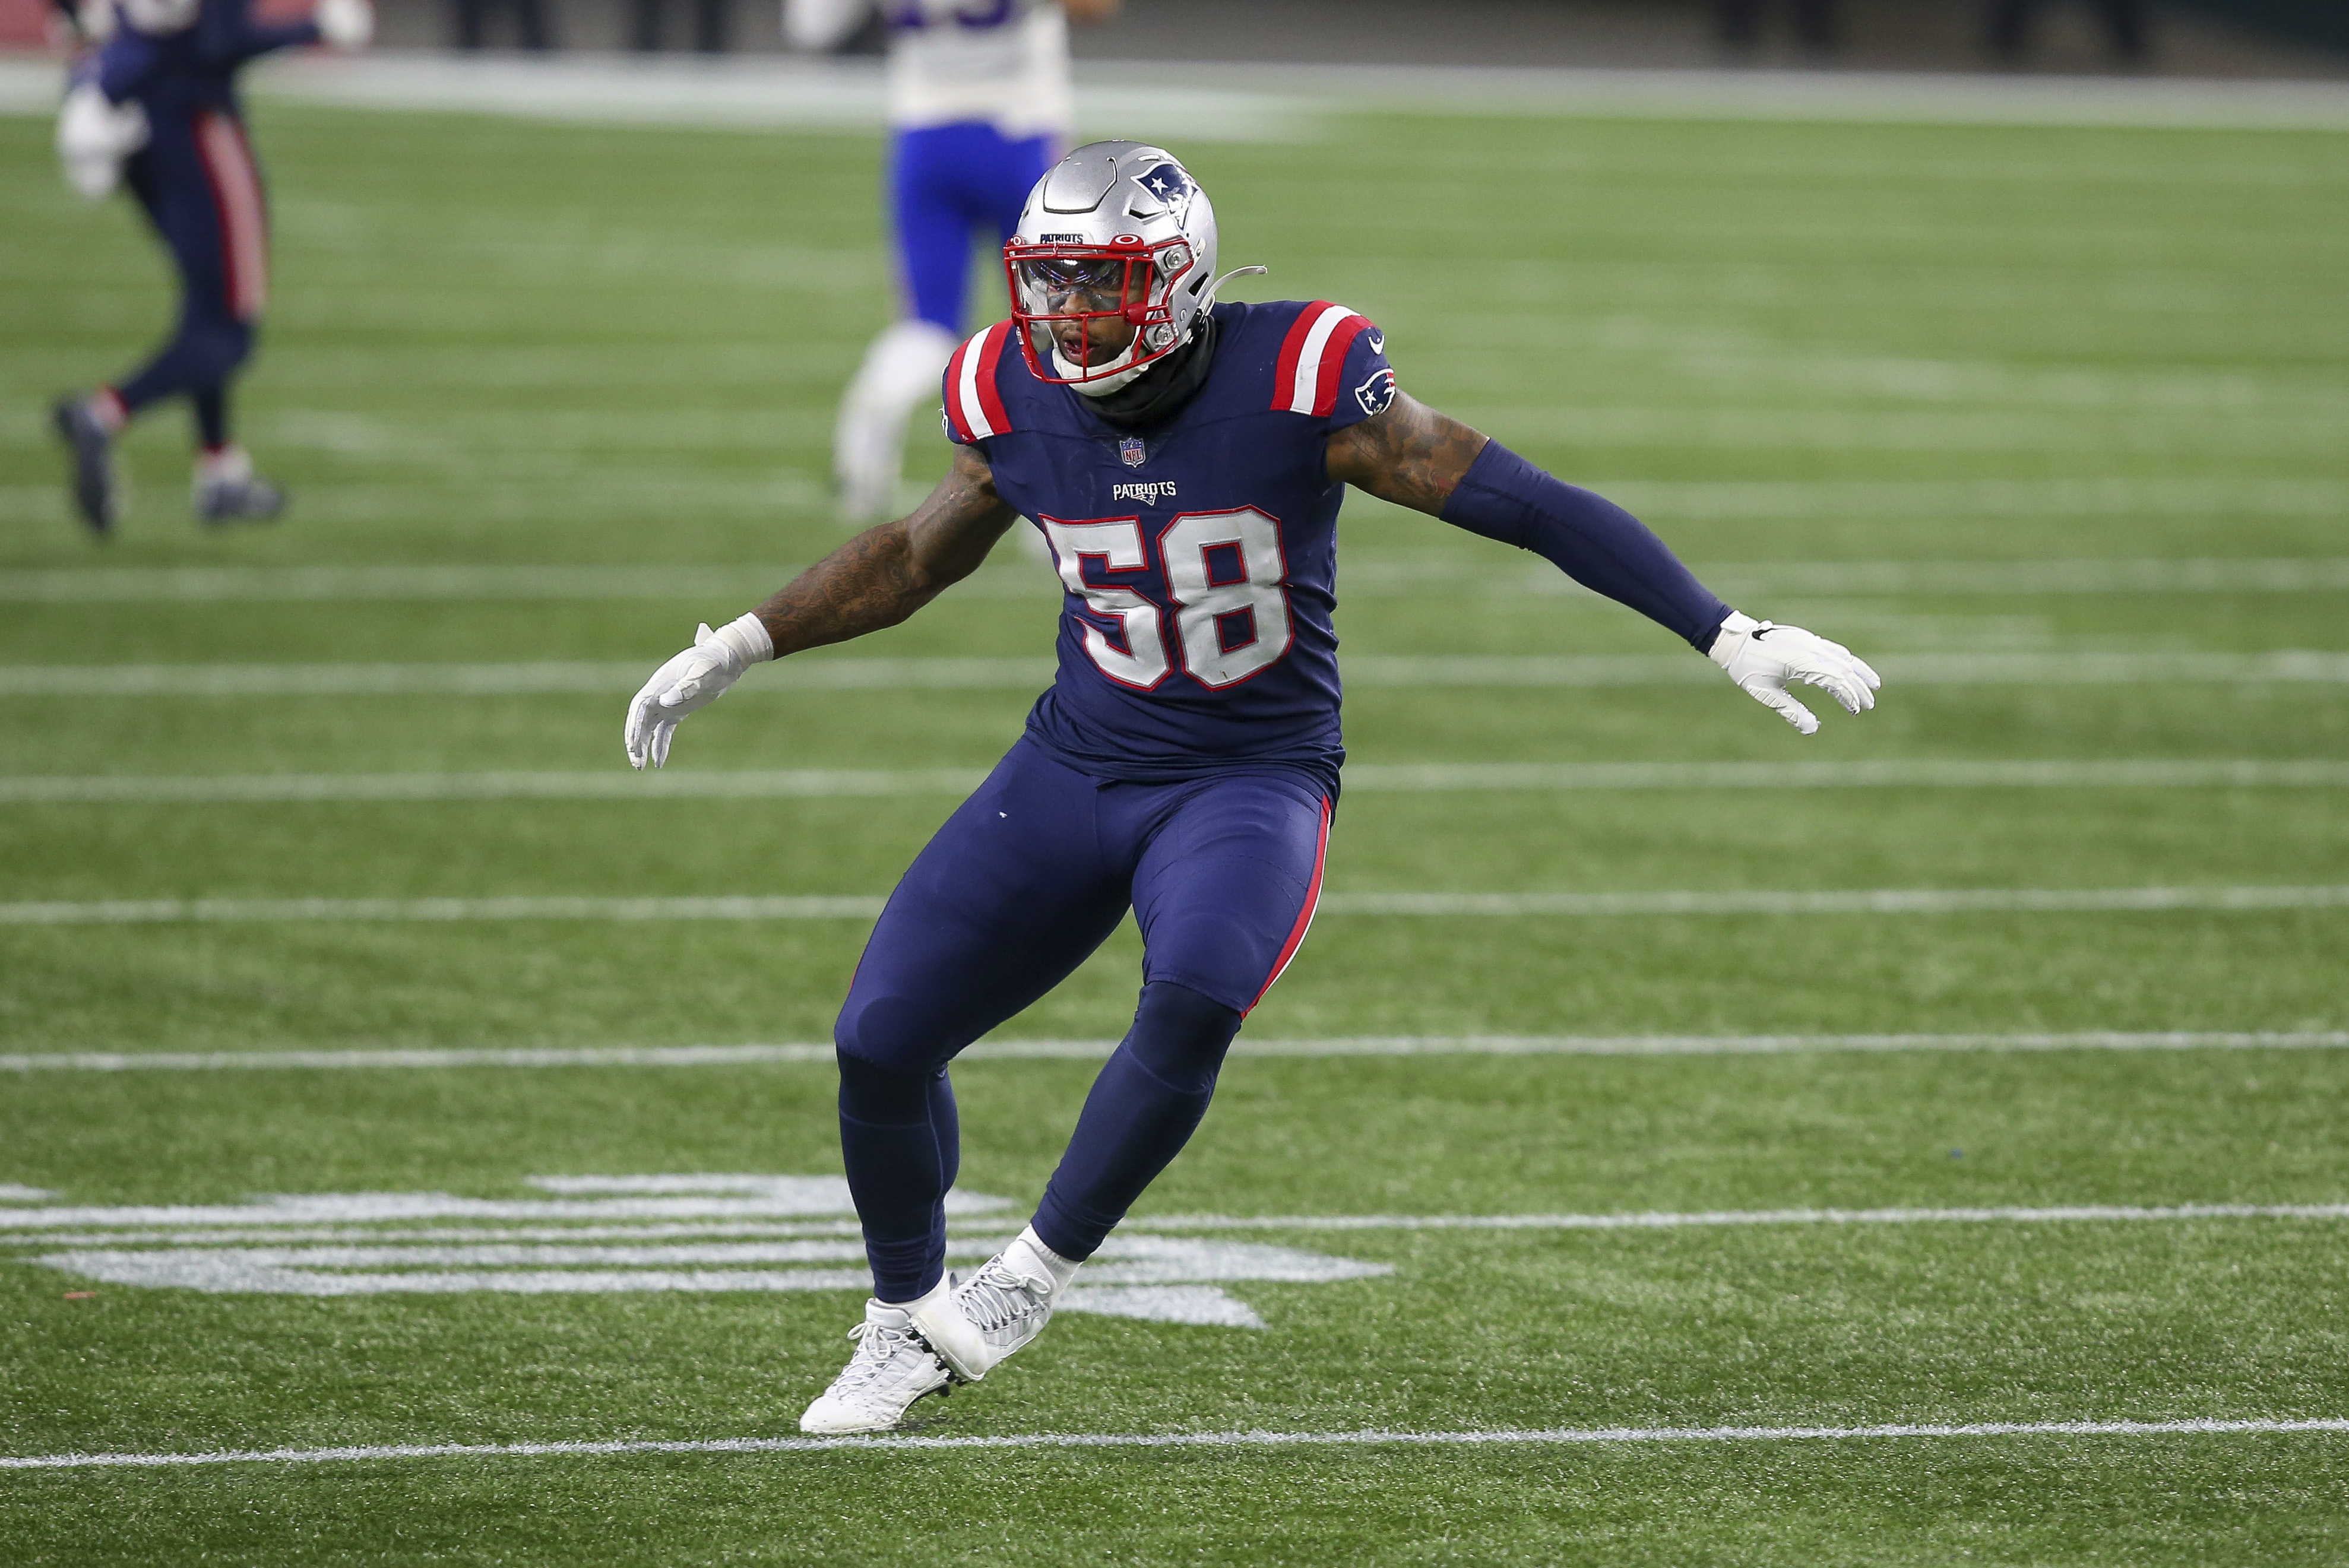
(1118, 232)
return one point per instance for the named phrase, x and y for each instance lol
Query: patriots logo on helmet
(1171, 185)
(1376, 393)
(1130, 451)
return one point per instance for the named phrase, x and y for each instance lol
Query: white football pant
(900, 373)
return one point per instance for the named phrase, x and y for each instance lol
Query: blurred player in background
(1186, 461)
(980, 104)
(155, 108)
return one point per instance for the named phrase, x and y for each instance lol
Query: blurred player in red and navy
(155, 108)
(1185, 461)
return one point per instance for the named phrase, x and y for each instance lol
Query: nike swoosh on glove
(694, 679)
(1764, 658)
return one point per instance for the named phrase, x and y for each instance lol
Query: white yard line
(2322, 667)
(443, 1057)
(2063, 1214)
(262, 584)
(619, 784)
(1875, 901)
(140, 911)
(1539, 1437)
(1869, 901)
(1857, 900)
(1029, 673)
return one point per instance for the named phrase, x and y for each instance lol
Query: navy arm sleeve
(1585, 536)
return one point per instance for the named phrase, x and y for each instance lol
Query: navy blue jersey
(1199, 557)
(187, 63)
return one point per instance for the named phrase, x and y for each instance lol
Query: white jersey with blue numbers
(1003, 63)
(1199, 557)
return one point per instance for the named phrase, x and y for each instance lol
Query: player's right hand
(694, 679)
(1762, 659)
(345, 24)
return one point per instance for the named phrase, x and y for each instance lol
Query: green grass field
(2073, 398)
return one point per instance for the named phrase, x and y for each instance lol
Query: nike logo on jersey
(1378, 343)
(1147, 492)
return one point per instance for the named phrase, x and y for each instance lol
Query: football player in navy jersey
(1185, 461)
(156, 108)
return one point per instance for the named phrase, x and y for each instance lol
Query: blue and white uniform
(979, 107)
(1184, 765)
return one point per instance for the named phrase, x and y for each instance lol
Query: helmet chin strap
(1102, 386)
(1099, 385)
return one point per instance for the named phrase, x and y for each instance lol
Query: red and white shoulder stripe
(1305, 379)
(974, 402)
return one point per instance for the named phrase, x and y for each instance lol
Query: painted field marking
(1585, 905)
(2300, 665)
(2123, 574)
(626, 1235)
(821, 783)
(1552, 1436)
(1707, 1218)
(1155, 1278)
(1875, 901)
(704, 1232)
(444, 1057)
(280, 1216)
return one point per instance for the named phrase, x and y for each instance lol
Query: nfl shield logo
(1131, 450)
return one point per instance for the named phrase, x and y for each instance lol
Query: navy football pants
(200, 188)
(1023, 882)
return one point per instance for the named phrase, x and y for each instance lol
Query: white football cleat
(892, 1368)
(998, 1309)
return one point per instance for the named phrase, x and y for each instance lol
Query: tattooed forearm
(885, 573)
(1410, 454)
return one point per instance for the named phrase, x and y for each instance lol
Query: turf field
(1977, 1064)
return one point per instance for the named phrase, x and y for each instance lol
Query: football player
(1185, 461)
(156, 108)
(980, 105)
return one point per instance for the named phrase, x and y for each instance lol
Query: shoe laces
(878, 1347)
(997, 1296)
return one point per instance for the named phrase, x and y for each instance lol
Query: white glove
(1762, 659)
(94, 135)
(694, 679)
(94, 19)
(345, 24)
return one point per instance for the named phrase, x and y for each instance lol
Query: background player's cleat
(97, 495)
(226, 489)
(892, 1368)
(1004, 1305)
(238, 500)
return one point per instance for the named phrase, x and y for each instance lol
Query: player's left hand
(694, 679)
(94, 135)
(345, 24)
(1762, 659)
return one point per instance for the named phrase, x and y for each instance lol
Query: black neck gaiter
(1155, 394)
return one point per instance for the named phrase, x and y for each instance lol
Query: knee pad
(1181, 1036)
(219, 346)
